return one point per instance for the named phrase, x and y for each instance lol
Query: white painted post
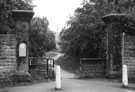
(124, 76)
(58, 78)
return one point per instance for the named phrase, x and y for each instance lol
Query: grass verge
(68, 63)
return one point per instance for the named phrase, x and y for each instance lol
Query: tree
(83, 37)
(85, 34)
(6, 21)
(41, 38)
(23, 4)
(122, 6)
(38, 39)
(51, 40)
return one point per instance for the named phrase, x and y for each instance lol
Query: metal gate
(92, 67)
(42, 67)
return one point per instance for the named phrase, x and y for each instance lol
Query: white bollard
(124, 76)
(58, 78)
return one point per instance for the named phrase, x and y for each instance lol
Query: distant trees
(51, 43)
(83, 37)
(41, 38)
(85, 34)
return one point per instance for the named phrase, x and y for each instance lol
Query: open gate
(40, 67)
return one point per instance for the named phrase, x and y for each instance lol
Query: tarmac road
(71, 84)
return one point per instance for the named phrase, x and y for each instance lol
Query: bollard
(58, 78)
(124, 76)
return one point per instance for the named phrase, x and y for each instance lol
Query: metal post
(58, 78)
(53, 68)
(47, 66)
(80, 65)
(122, 47)
(124, 76)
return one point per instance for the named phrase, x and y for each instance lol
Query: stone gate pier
(120, 44)
(14, 67)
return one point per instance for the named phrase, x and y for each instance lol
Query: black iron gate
(40, 67)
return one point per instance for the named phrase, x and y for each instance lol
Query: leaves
(41, 38)
(84, 34)
(6, 21)
(39, 42)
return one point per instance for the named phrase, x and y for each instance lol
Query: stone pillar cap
(22, 15)
(126, 20)
(115, 17)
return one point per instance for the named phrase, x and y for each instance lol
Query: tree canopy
(6, 21)
(41, 38)
(85, 35)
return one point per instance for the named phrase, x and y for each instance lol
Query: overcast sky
(57, 11)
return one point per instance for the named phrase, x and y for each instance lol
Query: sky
(56, 11)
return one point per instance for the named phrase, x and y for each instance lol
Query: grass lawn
(69, 64)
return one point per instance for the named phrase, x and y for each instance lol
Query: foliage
(85, 34)
(125, 7)
(51, 40)
(41, 38)
(83, 37)
(6, 21)
(23, 4)
(5, 15)
(39, 42)
(122, 6)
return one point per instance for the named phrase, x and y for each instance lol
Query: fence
(92, 67)
(41, 67)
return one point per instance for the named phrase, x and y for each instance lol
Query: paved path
(70, 84)
(65, 74)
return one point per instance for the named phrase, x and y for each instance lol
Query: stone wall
(129, 54)
(7, 56)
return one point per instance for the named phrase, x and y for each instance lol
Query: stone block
(21, 76)
(7, 61)
(7, 57)
(131, 49)
(126, 58)
(7, 64)
(126, 61)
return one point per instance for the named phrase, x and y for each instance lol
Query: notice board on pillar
(22, 50)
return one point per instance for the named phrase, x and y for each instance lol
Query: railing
(92, 67)
(44, 66)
